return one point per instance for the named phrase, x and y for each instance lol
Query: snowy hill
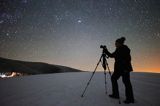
(64, 89)
(9, 65)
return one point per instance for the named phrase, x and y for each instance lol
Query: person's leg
(128, 87)
(114, 78)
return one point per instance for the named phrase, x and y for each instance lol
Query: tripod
(104, 62)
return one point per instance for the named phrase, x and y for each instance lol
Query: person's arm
(112, 55)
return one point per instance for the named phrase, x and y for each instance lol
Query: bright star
(79, 21)
(1, 21)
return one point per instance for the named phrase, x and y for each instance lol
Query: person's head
(119, 42)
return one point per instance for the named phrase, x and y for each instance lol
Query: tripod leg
(91, 77)
(87, 85)
(108, 69)
(105, 81)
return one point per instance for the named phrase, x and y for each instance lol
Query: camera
(103, 46)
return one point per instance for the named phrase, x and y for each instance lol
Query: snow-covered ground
(65, 89)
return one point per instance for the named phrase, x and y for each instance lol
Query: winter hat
(121, 40)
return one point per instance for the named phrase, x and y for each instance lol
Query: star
(1, 21)
(79, 21)
(158, 35)
(24, 1)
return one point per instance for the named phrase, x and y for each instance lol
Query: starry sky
(69, 32)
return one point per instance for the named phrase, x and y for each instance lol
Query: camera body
(103, 46)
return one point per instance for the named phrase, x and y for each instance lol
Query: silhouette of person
(122, 67)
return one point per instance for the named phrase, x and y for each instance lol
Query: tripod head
(103, 47)
(104, 56)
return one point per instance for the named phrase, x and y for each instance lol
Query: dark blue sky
(69, 32)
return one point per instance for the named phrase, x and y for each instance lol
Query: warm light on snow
(3, 76)
(8, 76)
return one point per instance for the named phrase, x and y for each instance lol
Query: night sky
(69, 32)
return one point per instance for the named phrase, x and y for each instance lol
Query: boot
(127, 101)
(114, 96)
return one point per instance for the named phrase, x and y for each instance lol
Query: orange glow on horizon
(152, 70)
